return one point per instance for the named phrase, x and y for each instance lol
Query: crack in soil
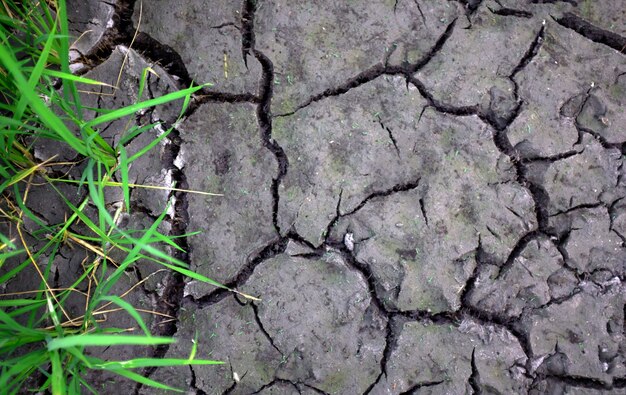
(247, 29)
(555, 301)
(231, 388)
(530, 54)
(392, 331)
(504, 11)
(397, 318)
(414, 389)
(419, 9)
(255, 308)
(517, 251)
(118, 33)
(474, 379)
(193, 383)
(171, 298)
(470, 8)
(408, 71)
(578, 207)
(583, 382)
(274, 248)
(226, 24)
(314, 389)
(552, 158)
(582, 129)
(402, 187)
(264, 119)
(572, 2)
(122, 33)
(470, 5)
(592, 32)
(485, 317)
(390, 134)
(377, 70)
(423, 210)
(275, 381)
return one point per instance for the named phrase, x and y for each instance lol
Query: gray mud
(427, 196)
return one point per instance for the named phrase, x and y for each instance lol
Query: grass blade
(123, 167)
(101, 340)
(144, 380)
(75, 78)
(46, 115)
(154, 362)
(149, 146)
(36, 72)
(122, 112)
(129, 309)
(58, 375)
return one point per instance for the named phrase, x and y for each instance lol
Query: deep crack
(530, 54)
(414, 389)
(503, 11)
(517, 250)
(592, 32)
(474, 379)
(271, 250)
(264, 118)
(393, 329)
(378, 70)
(247, 29)
(403, 187)
(170, 300)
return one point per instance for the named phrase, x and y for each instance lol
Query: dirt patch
(427, 196)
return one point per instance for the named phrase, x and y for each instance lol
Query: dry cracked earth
(428, 196)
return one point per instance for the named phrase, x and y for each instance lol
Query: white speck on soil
(179, 161)
(348, 240)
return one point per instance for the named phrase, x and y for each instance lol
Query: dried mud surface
(428, 196)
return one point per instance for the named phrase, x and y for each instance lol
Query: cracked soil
(427, 196)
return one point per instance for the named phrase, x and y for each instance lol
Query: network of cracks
(428, 197)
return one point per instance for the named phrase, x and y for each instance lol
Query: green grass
(39, 337)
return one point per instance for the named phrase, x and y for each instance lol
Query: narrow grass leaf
(122, 112)
(134, 132)
(123, 167)
(27, 172)
(194, 346)
(46, 115)
(53, 313)
(75, 78)
(12, 325)
(19, 369)
(149, 146)
(131, 257)
(58, 374)
(69, 88)
(6, 255)
(144, 79)
(36, 72)
(188, 100)
(195, 276)
(130, 310)
(144, 380)
(154, 362)
(100, 340)
(20, 302)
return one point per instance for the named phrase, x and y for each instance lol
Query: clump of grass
(40, 101)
